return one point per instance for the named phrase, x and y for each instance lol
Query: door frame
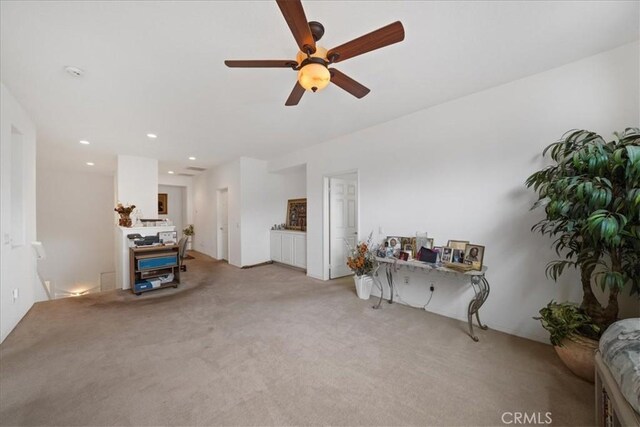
(218, 234)
(326, 226)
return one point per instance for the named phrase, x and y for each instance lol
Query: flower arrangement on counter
(125, 214)
(361, 260)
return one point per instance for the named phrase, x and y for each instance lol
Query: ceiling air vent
(197, 169)
(186, 174)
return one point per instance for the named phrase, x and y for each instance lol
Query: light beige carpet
(270, 346)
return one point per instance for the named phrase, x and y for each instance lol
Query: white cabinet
(289, 247)
(276, 247)
(300, 250)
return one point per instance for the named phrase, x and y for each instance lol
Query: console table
(477, 279)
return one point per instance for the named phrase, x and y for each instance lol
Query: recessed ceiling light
(170, 172)
(192, 158)
(74, 71)
(84, 142)
(152, 135)
(90, 163)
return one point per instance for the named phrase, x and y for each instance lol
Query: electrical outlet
(406, 280)
(432, 288)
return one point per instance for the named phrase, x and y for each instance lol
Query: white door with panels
(223, 224)
(343, 222)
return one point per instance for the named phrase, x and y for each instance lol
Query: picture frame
(447, 252)
(163, 204)
(474, 256)
(422, 240)
(439, 250)
(457, 256)
(457, 244)
(297, 214)
(394, 242)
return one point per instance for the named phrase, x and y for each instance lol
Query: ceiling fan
(312, 62)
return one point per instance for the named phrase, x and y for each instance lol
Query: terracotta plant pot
(577, 353)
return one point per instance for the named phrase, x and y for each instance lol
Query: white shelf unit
(289, 247)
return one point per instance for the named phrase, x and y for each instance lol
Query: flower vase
(125, 220)
(364, 284)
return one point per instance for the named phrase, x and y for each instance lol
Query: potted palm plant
(591, 197)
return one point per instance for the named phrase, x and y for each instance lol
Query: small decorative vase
(125, 220)
(364, 284)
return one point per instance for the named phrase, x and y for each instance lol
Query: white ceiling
(158, 67)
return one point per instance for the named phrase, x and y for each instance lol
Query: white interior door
(223, 224)
(343, 222)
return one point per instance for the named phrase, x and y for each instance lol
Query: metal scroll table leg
(390, 280)
(481, 289)
(376, 278)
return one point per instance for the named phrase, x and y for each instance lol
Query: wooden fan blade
(295, 96)
(293, 13)
(392, 33)
(347, 83)
(267, 63)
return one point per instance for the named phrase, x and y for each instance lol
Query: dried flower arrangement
(124, 212)
(361, 260)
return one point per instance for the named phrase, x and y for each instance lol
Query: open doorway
(223, 224)
(341, 221)
(173, 206)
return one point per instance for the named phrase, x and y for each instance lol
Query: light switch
(15, 294)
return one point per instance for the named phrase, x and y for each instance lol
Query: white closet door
(343, 222)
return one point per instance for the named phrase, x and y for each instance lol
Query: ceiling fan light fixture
(320, 52)
(314, 76)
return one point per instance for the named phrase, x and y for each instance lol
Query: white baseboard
(541, 336)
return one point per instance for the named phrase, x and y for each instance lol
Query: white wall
(457, 171)
(205, 188)
(177, 206)
(257, 200)
(290, 183)
(264, 198)
(75, 225)
(187, 183)
(137, 184)
(17, 261)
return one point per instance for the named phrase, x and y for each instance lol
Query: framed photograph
(457, 256)
(439, 250)
(163, 204)
(422, 241)
(404, 256)
(394, 242)
(458, 244)
(297, 214)
(447, 252)
(473, 256)
(405, 241)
